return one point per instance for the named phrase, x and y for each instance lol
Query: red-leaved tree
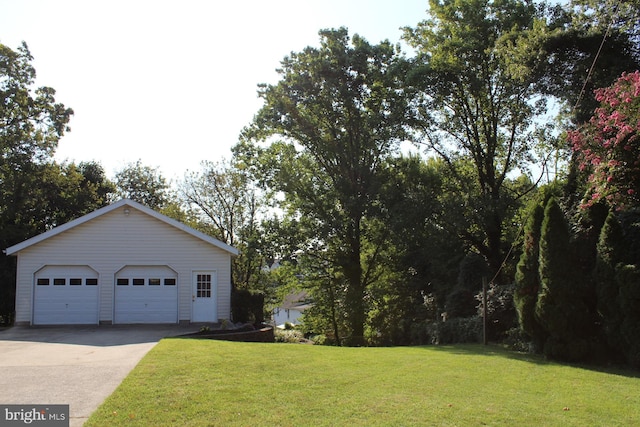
(609, 144)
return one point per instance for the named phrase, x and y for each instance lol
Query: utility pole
(484, 310)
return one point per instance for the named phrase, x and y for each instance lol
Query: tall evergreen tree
(527, 278)
(628, 278)
(560, 308)
(610, 252)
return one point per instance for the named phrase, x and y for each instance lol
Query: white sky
(173, 82)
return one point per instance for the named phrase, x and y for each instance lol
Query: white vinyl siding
(114, 240)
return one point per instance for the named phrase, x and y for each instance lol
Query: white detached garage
(124, 263)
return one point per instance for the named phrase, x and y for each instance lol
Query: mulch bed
(245, 333)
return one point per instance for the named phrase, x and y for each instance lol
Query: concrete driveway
(75, 365)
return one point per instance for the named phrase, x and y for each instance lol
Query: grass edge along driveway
(217, 383)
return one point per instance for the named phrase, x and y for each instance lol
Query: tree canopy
(589, 45)
(36, 193)
(143, 184)
(336, 114)
(609, 144)
(390, 247)
(474, 103)
(230, 207)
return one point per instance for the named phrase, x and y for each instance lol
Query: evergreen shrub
(560, 309)
(247, 306)
(527, 279)
(629, 281)
(460, 302)
(610, 252)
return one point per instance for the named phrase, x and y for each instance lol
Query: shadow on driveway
(93, 335)
(75, 365)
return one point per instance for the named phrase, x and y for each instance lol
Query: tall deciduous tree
(99, 189)
(143, 184)
(31, 123)
(224, 197)
(475, 98)
(619, 15)
(67, 191)
(229, 205)
(591, 44)
(337, 111)
(419, 258)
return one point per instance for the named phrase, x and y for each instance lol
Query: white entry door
(204, 290)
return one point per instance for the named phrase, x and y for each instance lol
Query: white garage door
(146, 294)
(65, 295)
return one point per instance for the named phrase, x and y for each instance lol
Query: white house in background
(124, 263)
(292, 308)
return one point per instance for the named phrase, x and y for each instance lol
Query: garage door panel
(63, 313)
(65, 295)
(134, 306)
(146, 295)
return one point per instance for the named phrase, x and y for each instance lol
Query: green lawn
(200, 382)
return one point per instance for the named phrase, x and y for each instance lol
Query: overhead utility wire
(584, 86)
(595, 59)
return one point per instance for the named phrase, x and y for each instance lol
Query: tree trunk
(493, 229)
(334, 318)
(355, 305)
(356, 312)
(494, 243)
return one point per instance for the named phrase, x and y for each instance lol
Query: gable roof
(295, 300)
(119, 204)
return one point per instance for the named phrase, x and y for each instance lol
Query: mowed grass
(183, 382)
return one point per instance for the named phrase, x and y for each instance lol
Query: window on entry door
(203, 289)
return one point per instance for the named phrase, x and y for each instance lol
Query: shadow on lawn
(489, 351)
(493, 350)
